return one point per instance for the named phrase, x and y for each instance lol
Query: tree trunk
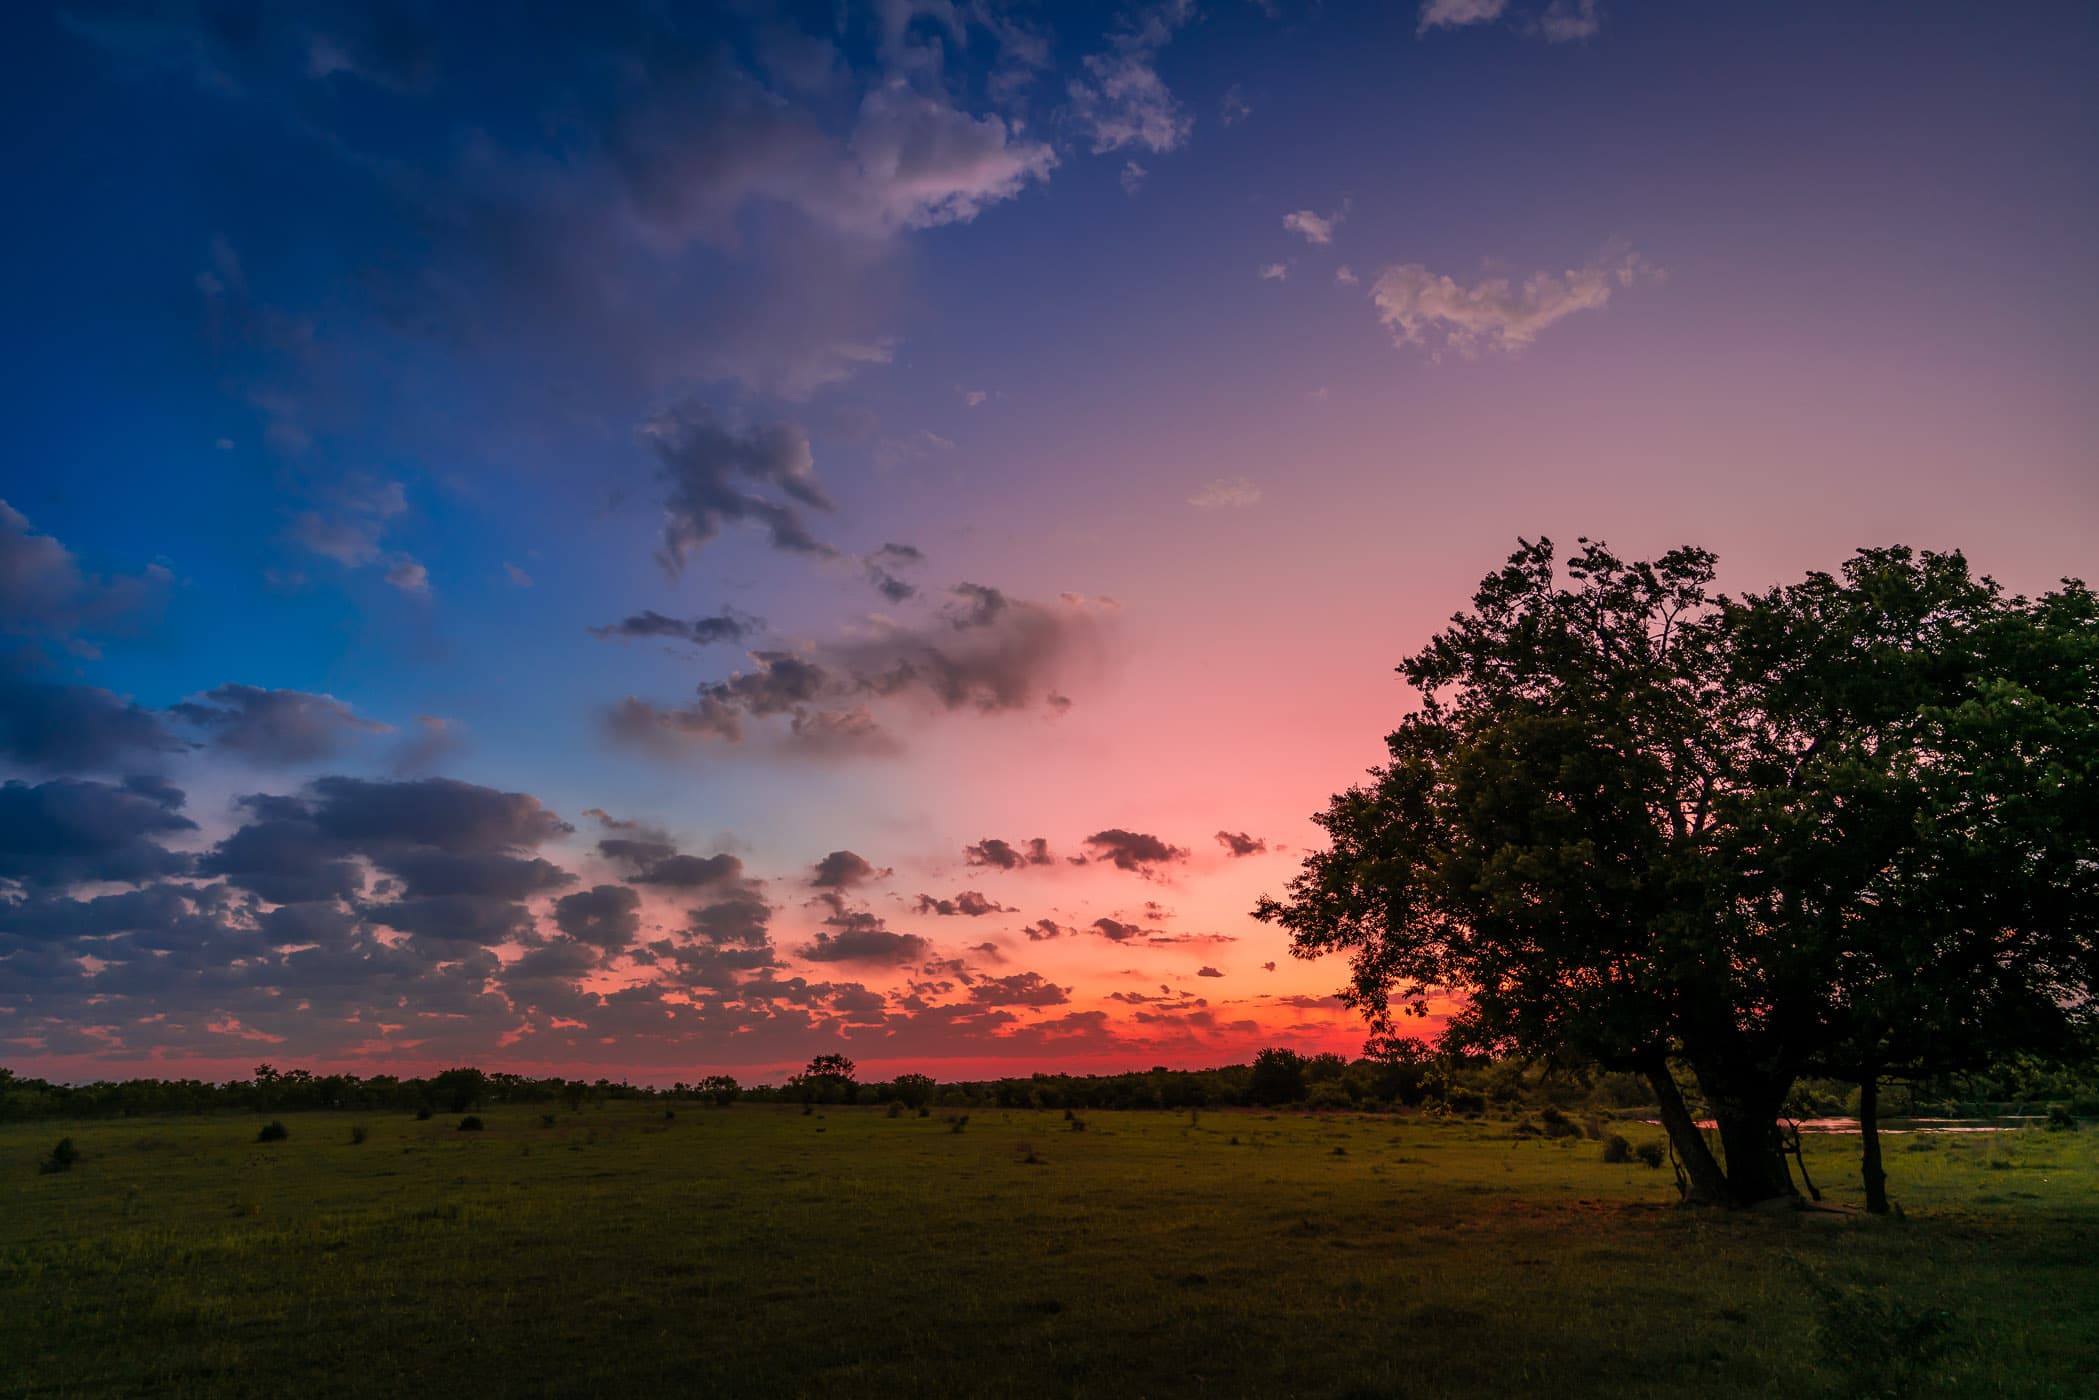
(1708, 1184)
(1869, 1145)
(1746, 1112)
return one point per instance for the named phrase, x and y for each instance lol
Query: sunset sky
(600, 538)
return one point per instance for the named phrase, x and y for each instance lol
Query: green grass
(758, 1251)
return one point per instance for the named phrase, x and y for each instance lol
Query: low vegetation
(756, 1251)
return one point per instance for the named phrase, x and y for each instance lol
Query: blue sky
(372, 355)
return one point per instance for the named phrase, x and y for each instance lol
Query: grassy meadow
(755, 1250)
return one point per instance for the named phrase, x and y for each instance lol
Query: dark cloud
(880, 568)
(275, 727)
(726, 626)
(842, 870)
(442, 812)
(1116, 931)
(425, 870)
(740, 922)
(714, 476)
(866, 941)
(1021, 989)
(444, 922)
(969, 904)
(1000, 855)
(45, 593)
(1043, 930)
(1209, 972)
(1238, 843)
(990, 655)
(75, 728)
(604, 916)
(69, 830)
(1135, 851)
(684, 872)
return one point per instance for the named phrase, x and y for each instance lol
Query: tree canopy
(1842, 826)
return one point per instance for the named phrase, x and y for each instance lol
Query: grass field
(754, 1251)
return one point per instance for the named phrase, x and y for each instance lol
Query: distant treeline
(1277, 1078)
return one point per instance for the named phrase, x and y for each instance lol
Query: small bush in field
(546, 1120)
(61, 1159)
(924, 1112)
(273, 1131)
(1078, 1124)
(2061, 1120)
(1649, 1153)
(896, 1110)
(422, 1115)
(471, 1124)
(1617, 1149)
(358, 1133)
(1558, 1124)
(956, 1123)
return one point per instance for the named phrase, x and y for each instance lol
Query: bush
(546, 1120)
(2061, 1120)
(422, 1115)
(471, 1124)
(1558, 1124)
(358, 1133)
(273, 1131)
(1649, 1153)
(61, 1159)
(1328, 1094)
(956, 1124)
(1616, 1149)
(896, 1110)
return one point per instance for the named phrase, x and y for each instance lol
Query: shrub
(669, 1114)
(1027, 1155)
(1880, 1346)
(546, 1120)
(62, 1157)
(422, 1115)
(924, 1112)
(1078, 1124)
(1558, 1124)
(358, 1133)
(896, 1110)
(1328, 1095)
(1616, 1149)
(1649, 1153)
(471, 1124)
(273, 1131)
(2061, 1120)
(956, 1123)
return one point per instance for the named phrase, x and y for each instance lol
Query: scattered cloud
(44, 593)
(1226, 493)
(1137, 851)
(844, 870)
(1495, 314)
(728, 625)
(1316, 228)
(1120, 101)
(715, 475)
(275, 727)
(1274, 272)
(1346, 275)
(1133, 176)
(1238, 843)
(1001, 855)
(881, 570)
(968, 904)
(1233, 108)
(1557, 22)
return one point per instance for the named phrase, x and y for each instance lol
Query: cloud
(409, 576)
(604, 916)
(45, 593)
(1568, 21)
(1317, 229)
(1116, 931)
(1208, 972)
(433, 740)
(75, 728)
(1135, 851)
(1274, 272)
(844, 870)
(968, 904)
(1346, 276)
(881, 565)
(867, 942)
(1226, 492)
(275, 727)
(685, 872)
(69, 830)
(1132, 177)
(1120, 101)
(1494, 314)
(1000, 855)
(1020, 989)
(987, 654)
(1233, 108)
(974, 398)
(725, 626)
(1238, 843)
(1453, 14)
(517, 576)
(716, 476)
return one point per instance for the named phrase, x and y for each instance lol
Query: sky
(655, 540)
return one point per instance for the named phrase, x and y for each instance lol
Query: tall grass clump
(62, 1158)
(273, 1131)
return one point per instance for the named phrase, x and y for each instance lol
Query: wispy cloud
(1493, 314)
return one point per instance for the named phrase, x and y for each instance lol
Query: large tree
(1602, 829)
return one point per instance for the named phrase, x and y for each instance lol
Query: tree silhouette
(1622, 827)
